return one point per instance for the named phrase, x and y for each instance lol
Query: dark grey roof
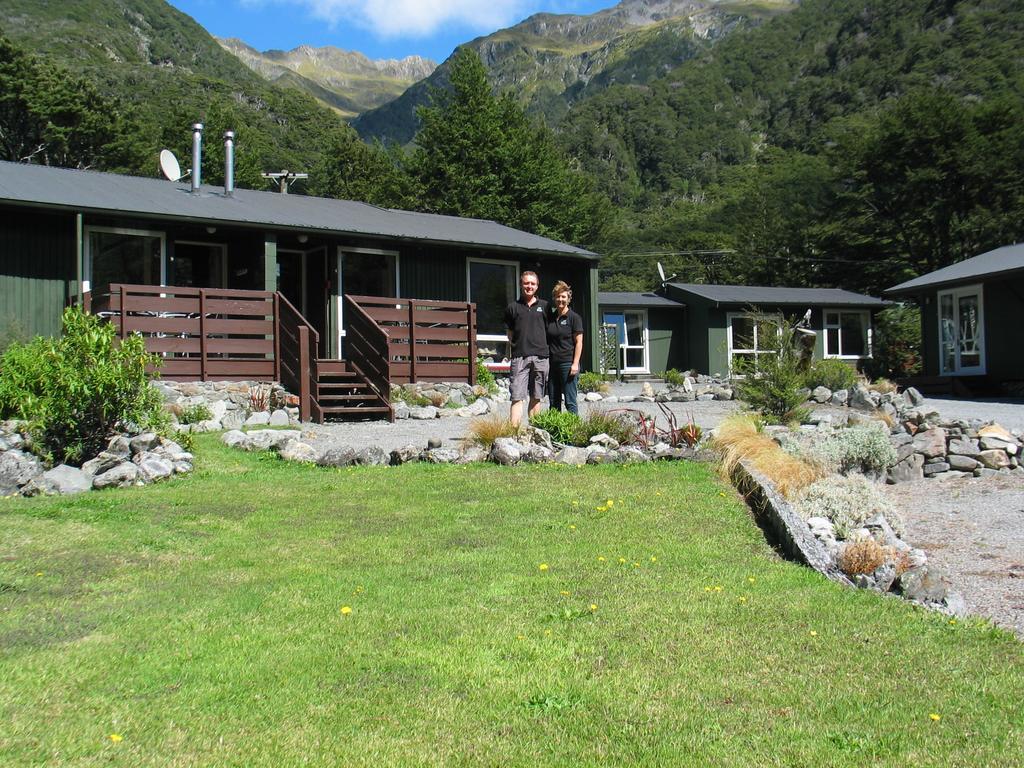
(754, 296)
(624, 299)
(91, 191)
(1009, 258)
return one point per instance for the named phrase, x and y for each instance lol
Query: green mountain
(346, 81)
(552, 61)
(168, 72)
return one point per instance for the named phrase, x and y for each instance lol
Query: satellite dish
(169, 165)
(661, 271)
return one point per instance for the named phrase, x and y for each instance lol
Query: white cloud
(418, 18)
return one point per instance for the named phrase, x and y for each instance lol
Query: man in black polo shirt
(526, 325)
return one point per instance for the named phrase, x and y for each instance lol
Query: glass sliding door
(131, 256)
(961, 331)
(361, 272)
(492, 285)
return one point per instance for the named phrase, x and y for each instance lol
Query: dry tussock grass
(738, 437)
(883, 386)
(484, 431)
(861, 556)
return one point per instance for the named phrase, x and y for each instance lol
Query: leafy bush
(847, 502)
(617, 426)
(774, 383)
(193, 414)
(77, 391)
(561, 425)
(896, 348)
(833, 374)
(485, 377)
(592, 382)
(673, 377)
(861, 448)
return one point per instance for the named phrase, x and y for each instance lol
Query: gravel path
(972, 528)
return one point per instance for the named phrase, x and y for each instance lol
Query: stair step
(343, 409)
(328, 386)
(347, 399)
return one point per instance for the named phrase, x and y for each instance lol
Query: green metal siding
(432, 274)
(666, 339)
(37, 270)
(1004, 308)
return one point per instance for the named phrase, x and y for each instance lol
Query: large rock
(840, 397)
(570, 454)
(996, 431)
(120, 445)
(931, 443)
(16, 469)
(62, 480)
(863, 398)
(964, 446)
(232, 420)
(279, 418)
(821, 394)
(933, 468)
(154, 466)
(404, 455)
(994, 459)
(236, 439)
(258, 419)
(908, 470)
(337, 456)
(372, 456)
(913, 396)
(270, 439)
(123, 475)
(425, 413)
(506, 451)
(296, 450)
(146, 441)
(962, 463)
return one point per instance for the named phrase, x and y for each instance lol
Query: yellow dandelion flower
(636, 565)
(657, 493)
(751, 579)
(543, 566)
(593, 607)
(520, 637)
(743, 599)
(575, 503)
(547, 632)
(346, 610)
(116, 737)
(654, 559)
(602, 509)
(610, 502)
(600, 558)
(935, 716)
(813, 633)
(622, 559)
(564, 592)
(720, 493)
(39, 573)
(572, 527)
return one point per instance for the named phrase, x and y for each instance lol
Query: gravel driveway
(971, 527)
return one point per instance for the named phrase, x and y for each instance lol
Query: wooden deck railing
(201, 333)
(296, 343)
(366, 348)
(426, 340)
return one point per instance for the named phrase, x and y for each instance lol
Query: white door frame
(336, 313)
(87, 267)
(956, 294)
(623, 346)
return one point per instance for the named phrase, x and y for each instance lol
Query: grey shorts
(528, 378)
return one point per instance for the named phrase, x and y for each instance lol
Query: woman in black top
(565, 345)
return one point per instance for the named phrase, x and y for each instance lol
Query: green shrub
(193, 414)
(833, 374)
(616, 425)
(896, 347)
(861, 448)
(485, 377)
(561, 425)
(773, 384)
(673, 377)
(77, 391)
(847, 501)
(592, 382)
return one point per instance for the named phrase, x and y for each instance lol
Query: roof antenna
(284, 178)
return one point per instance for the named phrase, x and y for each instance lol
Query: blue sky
(381, 29)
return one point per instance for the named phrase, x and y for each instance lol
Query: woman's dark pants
(560, 383)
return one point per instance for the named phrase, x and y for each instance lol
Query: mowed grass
(200, 622)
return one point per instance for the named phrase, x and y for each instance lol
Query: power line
(797, 259)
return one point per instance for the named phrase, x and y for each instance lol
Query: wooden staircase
(342, 393)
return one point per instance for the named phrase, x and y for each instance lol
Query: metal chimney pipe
(229, 163)
(197, 157)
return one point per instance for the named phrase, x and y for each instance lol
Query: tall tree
(479, 155)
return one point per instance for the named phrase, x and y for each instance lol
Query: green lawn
(199, 622)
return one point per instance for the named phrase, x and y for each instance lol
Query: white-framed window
(120, 255)
(492, 284)
(962, 330)
(747, 337)
(632, 338)
(847, 333)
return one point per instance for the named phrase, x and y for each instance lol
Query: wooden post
(471, 332)
(202, 334)
(304, 377)
(412, 341)
(277, 337)
(123, 315)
